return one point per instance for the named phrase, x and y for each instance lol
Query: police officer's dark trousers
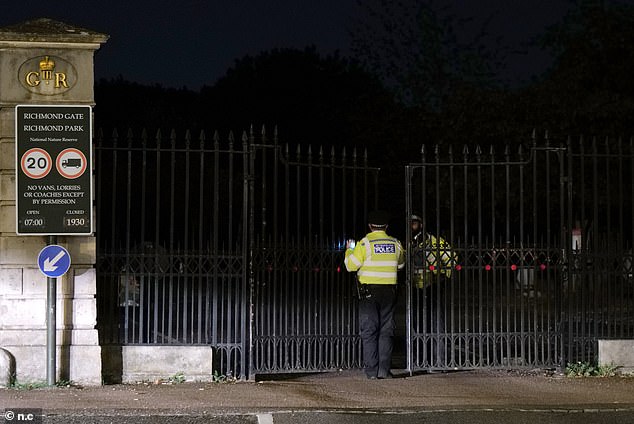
(376, 324)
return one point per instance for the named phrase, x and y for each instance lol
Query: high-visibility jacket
(426, 263)
(376, 258)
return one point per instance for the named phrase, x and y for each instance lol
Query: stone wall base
(129, 364)
(76, 363)
(617, 352)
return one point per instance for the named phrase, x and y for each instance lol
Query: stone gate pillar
(23, 80)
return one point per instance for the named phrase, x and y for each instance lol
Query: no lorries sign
(53, 169)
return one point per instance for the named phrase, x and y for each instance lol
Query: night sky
(193, 42)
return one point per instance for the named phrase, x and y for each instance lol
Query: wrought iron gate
(307, 204)
(508, 288)
(172, 243)
(232, 244)
(238, 245)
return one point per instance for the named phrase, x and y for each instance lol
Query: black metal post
(51, 324)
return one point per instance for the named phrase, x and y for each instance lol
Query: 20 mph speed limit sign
(53, 150)
(36, 163)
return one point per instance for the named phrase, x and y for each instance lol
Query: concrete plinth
(129, 364)
(617, 352)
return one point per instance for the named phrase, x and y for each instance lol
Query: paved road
(361, 417)
(476, 397)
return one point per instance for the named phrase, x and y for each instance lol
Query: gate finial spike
(245, 138)
(491, 150)
(188, 138)
(321, 153)
(478, 150)
(158, 136)
(130, 133)
(465, 150)
(534, 135)
(262, 135)
(173, 134)
(202, 136)
(216, 137)
(231, 138)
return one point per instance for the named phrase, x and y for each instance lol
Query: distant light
(295, 268)
(269, 268)
(458, 267)
(338, 269)
(513, 267)
(487, 267)
(542, 267)
(316, 269)
(432, 268)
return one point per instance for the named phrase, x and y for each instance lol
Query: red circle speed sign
(36, 163)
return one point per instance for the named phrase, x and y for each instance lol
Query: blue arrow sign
(54, 261)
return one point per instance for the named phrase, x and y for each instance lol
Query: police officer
(376, 258)
(432, 260)
(416, 223)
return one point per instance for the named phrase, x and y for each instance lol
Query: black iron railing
(522, 294)
(236, 245)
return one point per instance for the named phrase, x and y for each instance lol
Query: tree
(413, 45)
(124, 104)
(589, 89)
(312, 99)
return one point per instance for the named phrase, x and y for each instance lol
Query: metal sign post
(54, 261)
(51, 324)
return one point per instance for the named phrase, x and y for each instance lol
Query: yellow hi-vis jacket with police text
(376, 258)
